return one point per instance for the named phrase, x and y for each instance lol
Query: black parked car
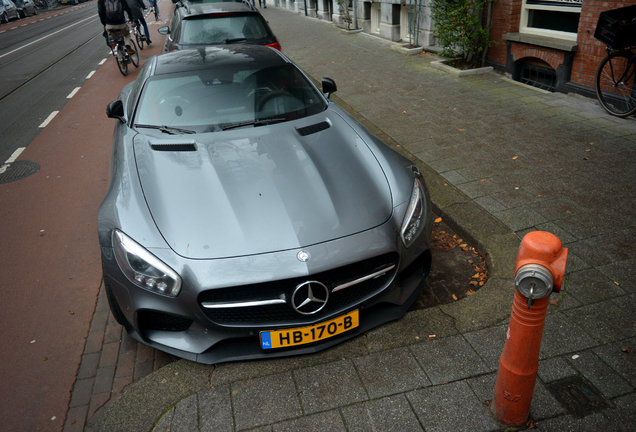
(196, 25)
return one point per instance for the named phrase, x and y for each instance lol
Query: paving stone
(75, 419)
(88, 366)
(560, 336)
(591, 286)
(265, 400)
(82, 391)
(326, 421)
(622, 415)
(215, 410)
(604, 321)
(390, 372)
(316, 386)
(451, 407)
(602, 377)
(448, 359)
(390, 414)
(489, 344)
(620, 361)
(165, 422)
(185, 417)
(104, 380)
(591, 423)
(554, 369)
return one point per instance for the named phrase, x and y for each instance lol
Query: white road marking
(90, 74)
(73, 93)
(16, 154)
(12, 159)
(48, 119)
(103, 61)
(47, 36)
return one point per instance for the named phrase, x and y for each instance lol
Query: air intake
(312, 129)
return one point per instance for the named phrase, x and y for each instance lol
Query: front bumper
(182, 327)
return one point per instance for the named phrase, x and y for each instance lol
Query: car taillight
(275, 45)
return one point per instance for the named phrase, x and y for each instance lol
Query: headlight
(415, 213)
(144, 269)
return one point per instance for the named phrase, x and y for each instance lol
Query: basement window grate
(537, 76)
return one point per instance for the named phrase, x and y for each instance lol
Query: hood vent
(174, 147)
(312, 129)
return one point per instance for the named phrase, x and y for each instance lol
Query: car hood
(262, 189)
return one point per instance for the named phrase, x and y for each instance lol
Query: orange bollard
(539, 270)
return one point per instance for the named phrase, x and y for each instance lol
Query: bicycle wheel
(615, 84)
(120, 58)
(134, 58)
(139, 38)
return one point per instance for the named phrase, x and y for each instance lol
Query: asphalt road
(43, 58)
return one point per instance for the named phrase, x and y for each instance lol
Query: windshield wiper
(234, 40)
(171, 130)
(260, 122)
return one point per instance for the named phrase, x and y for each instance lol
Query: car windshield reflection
(226, 98)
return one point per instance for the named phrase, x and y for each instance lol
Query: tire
(134, 58)
(139, 39)
(4, 18)
(615, 79)
(121, 59)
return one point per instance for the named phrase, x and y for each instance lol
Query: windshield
(225, 97)
(222, 29)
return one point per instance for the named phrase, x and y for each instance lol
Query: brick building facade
(549, 43)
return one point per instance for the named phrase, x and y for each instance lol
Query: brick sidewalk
(111, 361)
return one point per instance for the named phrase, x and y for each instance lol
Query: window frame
(525, 16)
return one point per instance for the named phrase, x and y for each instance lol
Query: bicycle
(153, 9)
(118, 48)
(140, 37)
(616, 74)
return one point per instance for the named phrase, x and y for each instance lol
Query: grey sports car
(248, 216)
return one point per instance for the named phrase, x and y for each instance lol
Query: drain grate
(18, 170)
(577, 395)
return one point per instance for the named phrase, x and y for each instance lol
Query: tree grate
(18, 170)
(578, 396)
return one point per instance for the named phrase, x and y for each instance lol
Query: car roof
(242, 56)
(192, 9)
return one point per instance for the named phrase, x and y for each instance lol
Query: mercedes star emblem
(309, 297)
(303, 256)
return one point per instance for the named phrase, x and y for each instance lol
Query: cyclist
(137, 9)
(111, 14)
(153, 3)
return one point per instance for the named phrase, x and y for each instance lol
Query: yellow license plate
(272, 339)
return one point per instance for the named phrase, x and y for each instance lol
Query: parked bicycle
(140, 37)
(118, 48)
(616, 74)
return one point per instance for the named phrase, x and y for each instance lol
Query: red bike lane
(50, 264)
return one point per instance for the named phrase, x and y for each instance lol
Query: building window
(552, 18)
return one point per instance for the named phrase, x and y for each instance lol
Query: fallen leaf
(625, 349)
(617, 283)
(461, 130)
(454, 297)
(470, 291)
(554, 301)
(463, 245)
(438, 220)
(483, 180)
(403, 112)
(515, 157)
(588, 150)
(432, 336)
(476, 276)
(473, 283)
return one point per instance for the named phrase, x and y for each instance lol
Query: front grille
(284, 314)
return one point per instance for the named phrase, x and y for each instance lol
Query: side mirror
(115, 109)
(164, 30)
(328, 86)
